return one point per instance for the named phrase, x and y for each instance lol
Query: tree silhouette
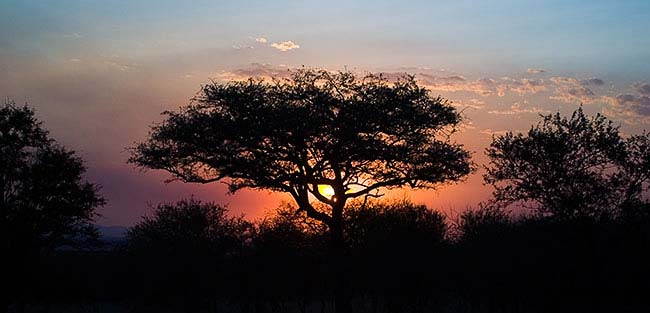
(355, 135)
(44, 200)
(569, 167)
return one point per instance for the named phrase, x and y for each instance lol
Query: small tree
(569, 167)
(44, 200)
(313, 132)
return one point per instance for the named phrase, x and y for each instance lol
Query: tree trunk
(341, 299)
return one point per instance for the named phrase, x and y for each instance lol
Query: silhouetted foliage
(44, 200)
(189, 227)
(486, 221)
(287, 232)
(569, 167)
(399, 227)
(317, 128)
(500, 264)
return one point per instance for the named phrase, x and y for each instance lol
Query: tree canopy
(567, 167)
(354, 134)
(44, 199)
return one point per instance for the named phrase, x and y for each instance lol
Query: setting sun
(326, 190)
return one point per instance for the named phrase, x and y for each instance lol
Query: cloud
(483, 86)
(560, 80)
(261, 40)
(569, 89)
(465, 126)
(631, 104)
(521, 86)
(593, 81)
(516, 109)
(285, 45)
(240, 47)
(631, 108)
(118, 65)
(456, 83)
(473, 104)
(536, 71)
(642, 88)
(575, 94)
(73, 36)
(492, 132)
(256, 70)
(453, 78)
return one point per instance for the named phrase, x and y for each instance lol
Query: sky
(99, 73)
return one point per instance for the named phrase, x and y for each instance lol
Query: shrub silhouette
(290, 233)
(189, 227)
(487, 221)
(397, 227)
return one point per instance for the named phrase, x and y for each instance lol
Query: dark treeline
(402, 257)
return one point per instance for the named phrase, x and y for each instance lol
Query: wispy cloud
(255, 70)
(521, 86)
(492, 132)
(642, 88)
(73, 36)
(475, 104)
(261, 40)
(483, 86)
(572, 90)
(465, 126)
(536, 71)
(631, 104)
(517, 108)
(593, 81)
(240, 47)
(630, 108)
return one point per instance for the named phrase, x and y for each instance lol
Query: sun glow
(326, 190)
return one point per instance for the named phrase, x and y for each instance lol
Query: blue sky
(99, 72)
(484, 36)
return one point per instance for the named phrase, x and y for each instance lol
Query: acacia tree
(569, 167)
(355, 135)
